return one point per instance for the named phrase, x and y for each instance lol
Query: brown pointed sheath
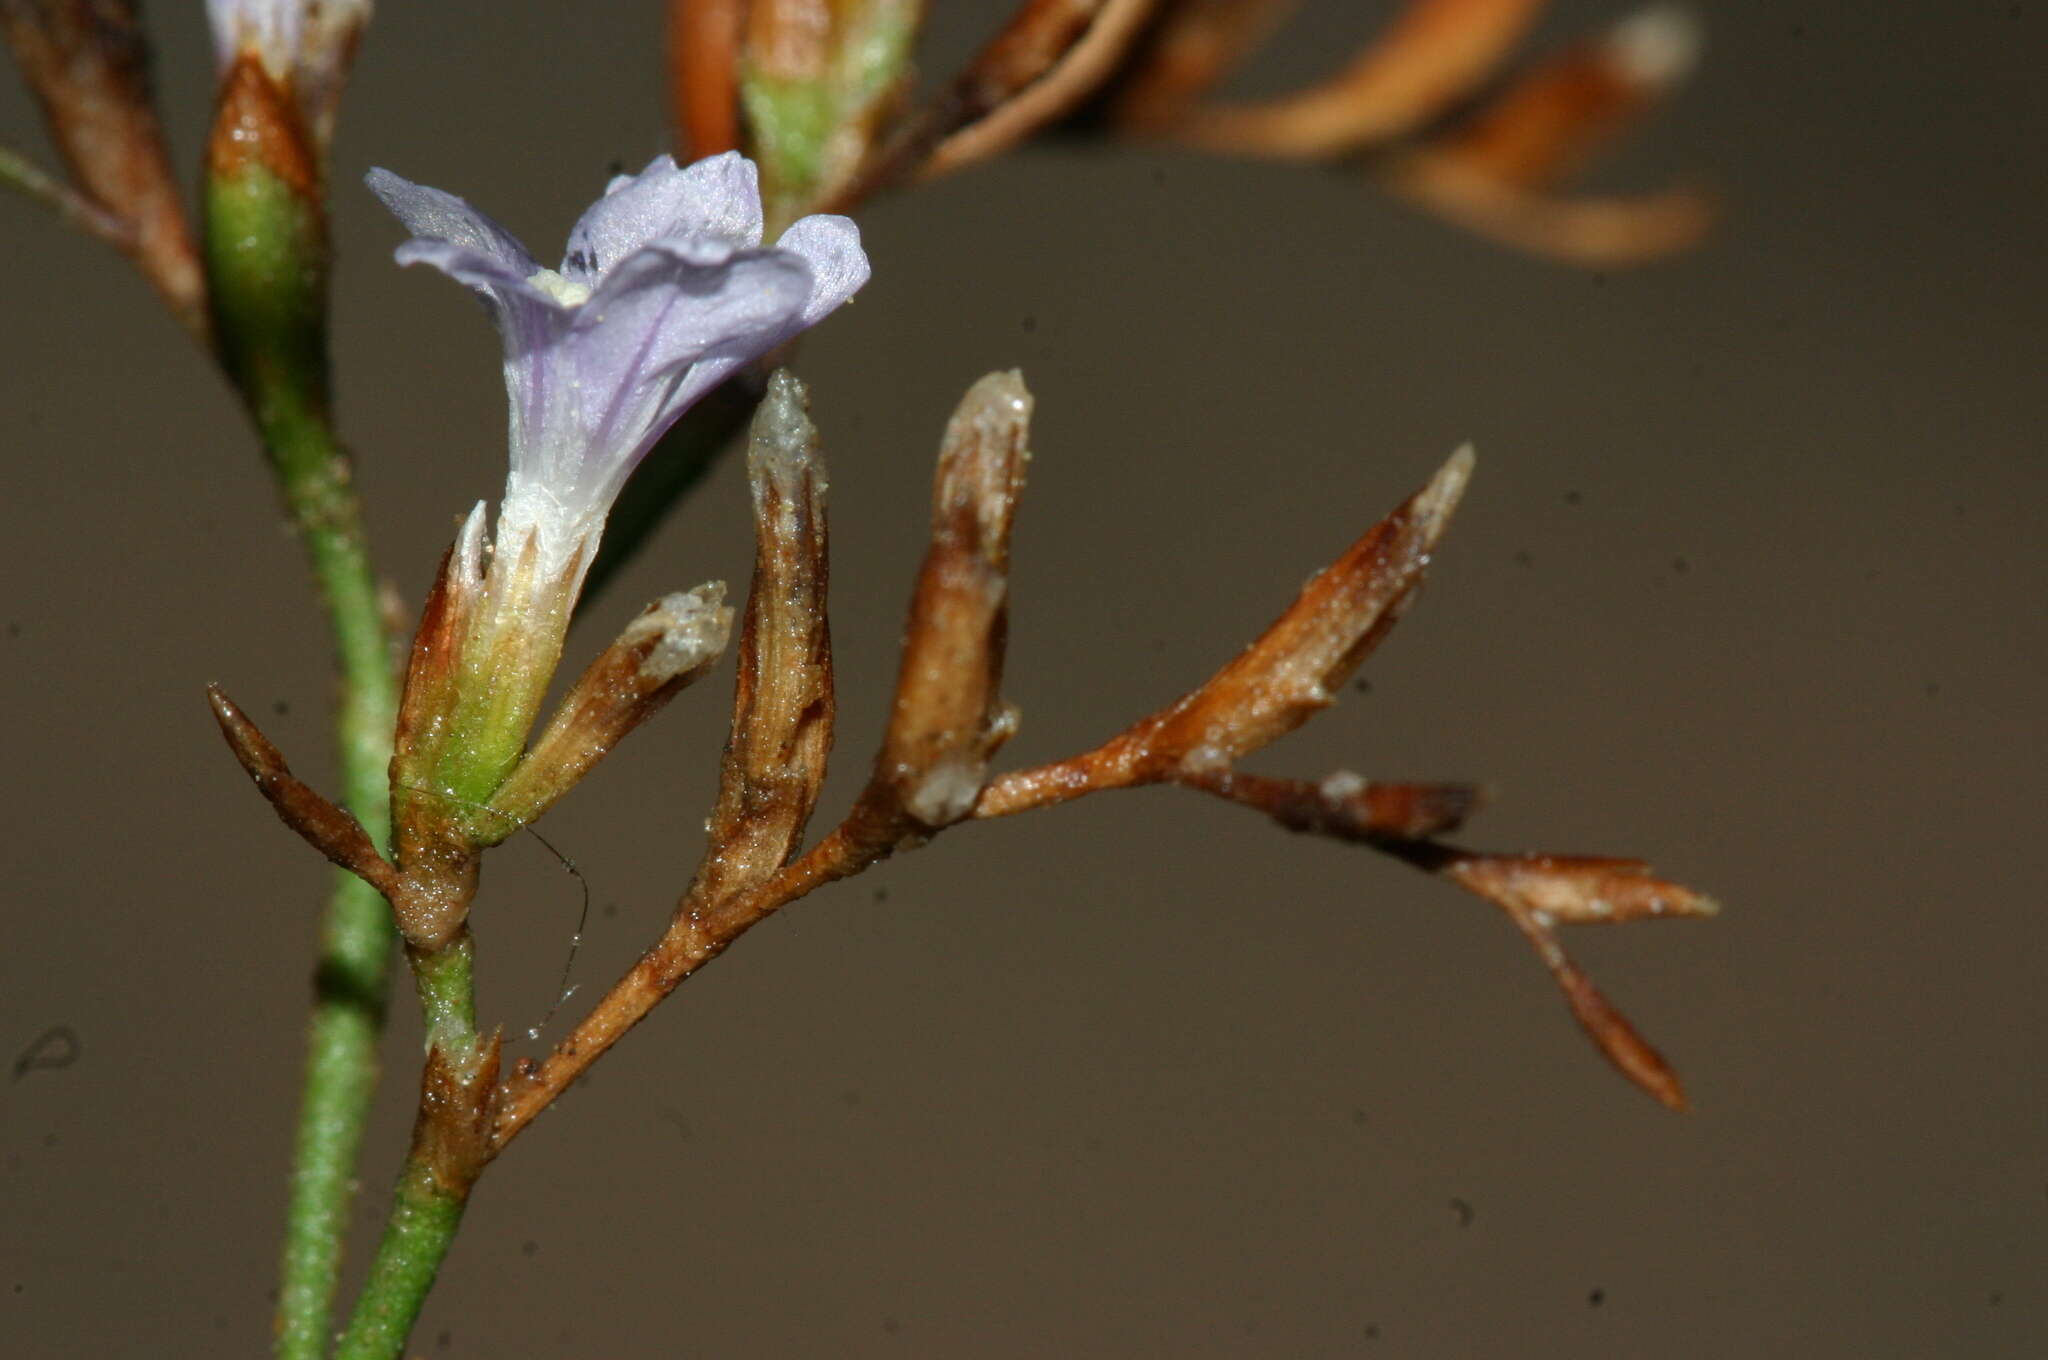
(327, 828)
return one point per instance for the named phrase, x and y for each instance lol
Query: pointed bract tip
(782, 440)
(234, 724)
(467, 561)
(1657, 45)
(1437, 500)
(257, 755)
(785, 386)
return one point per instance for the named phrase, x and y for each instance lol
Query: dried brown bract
(1295, 669)
(1346, 806)
(783, 702)
(329, 829)
(88, 64)
(1431, 107)
(1574, 889)
(1194, 45)
(440, 832)
(775, 752)
(1496, 172)
(1289, 674)
(451, 1131)
(661, 653)
(1433, 54)
(1042, 68)
(1541, 892)
(948, 718)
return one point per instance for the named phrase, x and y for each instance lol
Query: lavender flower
(665, 290)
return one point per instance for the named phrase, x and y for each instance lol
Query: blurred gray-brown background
(1749, 584)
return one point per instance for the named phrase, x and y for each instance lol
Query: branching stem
(25, 177)
(352, 981)
(266, 274)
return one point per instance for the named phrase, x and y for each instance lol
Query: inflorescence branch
(819, 94)
(949, 718)
(1434, 109)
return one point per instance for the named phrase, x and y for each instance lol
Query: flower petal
(673, 300)
(676, 295)
(830, 245)
(433, 215)
(484, 273)
(528, 319)
(672, 321)
(718, 197)
(531, 323)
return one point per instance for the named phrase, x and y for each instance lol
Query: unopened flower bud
(949, 715)
(783, 703)
(305, 47)
(817, 82)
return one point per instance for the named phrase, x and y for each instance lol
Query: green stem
(266, 260)
(19, 173)
(450, 1146)
(424, 1216)
(23, 175)
(341, 1077)
(447, 988)
(352, 980)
